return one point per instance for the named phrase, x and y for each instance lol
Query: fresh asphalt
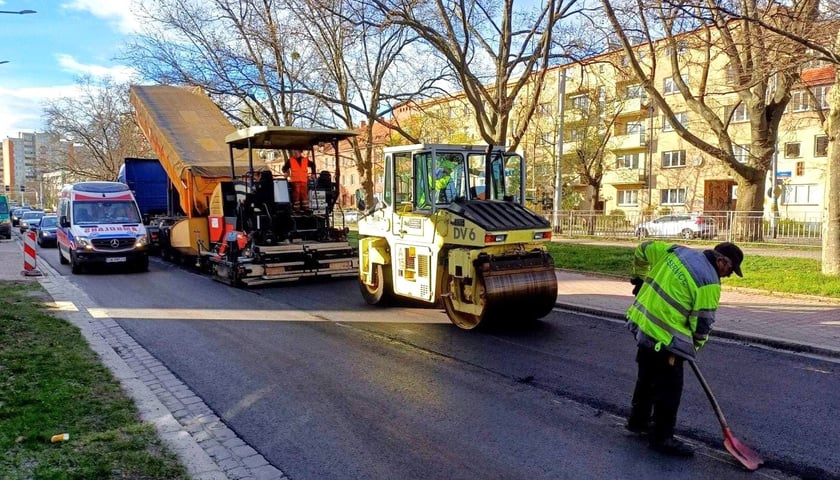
(149, 382)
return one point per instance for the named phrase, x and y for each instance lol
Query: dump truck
(148, 181)
(227, 226)
(452, 228)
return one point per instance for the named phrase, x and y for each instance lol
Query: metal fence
(760, 227)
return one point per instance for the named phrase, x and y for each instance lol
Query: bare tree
(98, 123)
(823, 44)
(300, 62)
(370, 69)
(761, 68)
(477, 36)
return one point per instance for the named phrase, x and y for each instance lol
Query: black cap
(732, 252)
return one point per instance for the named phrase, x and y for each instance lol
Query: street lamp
(19, 12)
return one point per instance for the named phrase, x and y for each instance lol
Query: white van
(99, 223)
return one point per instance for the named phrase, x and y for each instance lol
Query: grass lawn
(52, 383)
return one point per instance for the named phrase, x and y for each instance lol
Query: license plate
(114, 259)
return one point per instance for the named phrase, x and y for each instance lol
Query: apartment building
(644, 165)
(26, 159)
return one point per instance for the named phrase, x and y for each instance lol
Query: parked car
(32, 217)
(46, 236)
(687, 226)
(351, 216)
(17, 213)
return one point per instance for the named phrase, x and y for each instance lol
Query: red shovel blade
(746, 455)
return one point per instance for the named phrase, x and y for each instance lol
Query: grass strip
(52, 383)
(775, 274)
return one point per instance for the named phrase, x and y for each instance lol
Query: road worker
(299, 169)
(677, 290)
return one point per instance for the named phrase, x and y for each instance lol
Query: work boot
(672, 446)
(638, 429)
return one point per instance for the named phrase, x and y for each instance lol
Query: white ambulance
(99, 223)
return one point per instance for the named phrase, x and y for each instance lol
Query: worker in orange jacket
(299, 169)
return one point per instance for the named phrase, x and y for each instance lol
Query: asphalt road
(326, 387)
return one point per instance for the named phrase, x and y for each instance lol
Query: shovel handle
(710, 395)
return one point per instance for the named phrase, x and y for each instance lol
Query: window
(636, 91)
(628, 197)
(546, 139)
(821, 146)
(741, 114)
(544, 109)
(673, 196)
(821, 95)
(800, 169)
(580, 102)
(792, 150)
(635, 128)
(798, 101)
(729, 72)
(630, 160)
(741, 152)
(670, 86)
(809, 194)
(682, 117)
(674, 158)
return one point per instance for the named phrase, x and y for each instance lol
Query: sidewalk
(798, 323)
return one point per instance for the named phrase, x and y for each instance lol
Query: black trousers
(658, 392)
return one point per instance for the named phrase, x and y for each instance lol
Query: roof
(285, 138)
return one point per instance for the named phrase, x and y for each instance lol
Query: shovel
(744, 454)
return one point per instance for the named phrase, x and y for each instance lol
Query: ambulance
(99, 223)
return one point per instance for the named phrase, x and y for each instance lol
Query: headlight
(45, 233)
(5, 222)
(84, 242)
(142, 240)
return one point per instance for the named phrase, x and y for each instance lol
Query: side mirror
(63, 221)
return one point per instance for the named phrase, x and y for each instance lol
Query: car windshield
(105, 212)
(49, 222)
(32, 215)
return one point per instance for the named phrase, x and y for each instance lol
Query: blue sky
(47, 51)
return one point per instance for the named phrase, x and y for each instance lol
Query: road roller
(451, 228)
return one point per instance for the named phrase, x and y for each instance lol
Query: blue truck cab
(99, 223)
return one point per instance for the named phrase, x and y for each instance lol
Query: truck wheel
(61, 258)
(451, 291)
(75, 267)
(381, 291)
(143, 264)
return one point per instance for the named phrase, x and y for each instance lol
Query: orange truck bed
(187, 132)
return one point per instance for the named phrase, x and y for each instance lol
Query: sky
(49, 50)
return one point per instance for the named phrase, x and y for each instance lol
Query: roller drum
(529, 294)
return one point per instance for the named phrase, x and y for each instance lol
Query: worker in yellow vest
(299, 169)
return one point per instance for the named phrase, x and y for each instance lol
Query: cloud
(119, 73)
(21, 108)
(117, 12)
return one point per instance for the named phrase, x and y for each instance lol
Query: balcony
(624, 176)
(628, 142)
(634, 106)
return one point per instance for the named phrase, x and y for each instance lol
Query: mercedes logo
(115, 243)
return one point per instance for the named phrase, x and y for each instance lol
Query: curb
(772, 342)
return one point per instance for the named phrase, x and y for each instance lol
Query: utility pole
(558, 178)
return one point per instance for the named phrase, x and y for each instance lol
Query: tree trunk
(831, 198)
(747, 226)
